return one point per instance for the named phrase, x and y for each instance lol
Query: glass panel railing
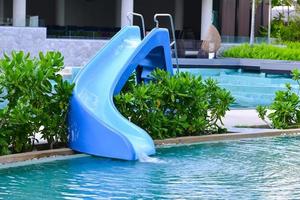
(76, 32)
(31, 21)
(5, 21)
(190, 49)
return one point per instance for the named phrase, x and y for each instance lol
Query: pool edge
(21, 157)
(224, 137)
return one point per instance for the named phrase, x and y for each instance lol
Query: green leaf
(178, 105)
(37, 97)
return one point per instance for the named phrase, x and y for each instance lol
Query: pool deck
(243, 121)
(264, 65)
(225, 137)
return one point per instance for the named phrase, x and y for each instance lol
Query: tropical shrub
(264, 51)
(283, 30)
(285, 110)
(172, 106)
(277, 26)
(290, 32)
(36, 98)
(292, 45)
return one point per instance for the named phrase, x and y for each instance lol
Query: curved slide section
(95, 125)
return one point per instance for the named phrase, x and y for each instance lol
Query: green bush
(292, 45)
(172, 106)
(37, 100)
(285, 110)
(283, 31)
(286, 31)
(264, 51)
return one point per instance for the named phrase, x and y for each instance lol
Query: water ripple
(247, 169)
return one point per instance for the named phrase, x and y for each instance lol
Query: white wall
(206, 17)
(19, 13)
(278, 9)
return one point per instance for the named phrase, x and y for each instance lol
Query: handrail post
(173, 33)
(142, 20)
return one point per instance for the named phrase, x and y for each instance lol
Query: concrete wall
(33, 40)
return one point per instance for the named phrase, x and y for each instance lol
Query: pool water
(249, 89)
(266, 168)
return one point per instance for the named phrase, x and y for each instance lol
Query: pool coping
(20, 157)
(224, 137)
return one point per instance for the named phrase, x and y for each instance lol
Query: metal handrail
(173, 33)
(142, 19)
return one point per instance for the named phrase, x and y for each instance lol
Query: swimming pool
(249, 88)
(265, 168)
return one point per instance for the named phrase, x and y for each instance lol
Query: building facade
(192, 17)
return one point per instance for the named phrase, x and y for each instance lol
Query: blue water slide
(95, 125)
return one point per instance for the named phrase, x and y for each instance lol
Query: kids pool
(246, 169)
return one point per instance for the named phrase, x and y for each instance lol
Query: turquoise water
(250, 89)
(248, 169)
